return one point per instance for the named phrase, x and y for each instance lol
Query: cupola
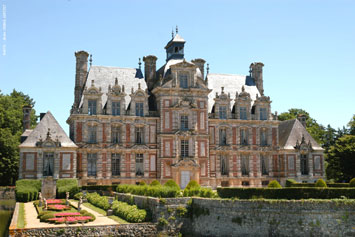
(175, 47)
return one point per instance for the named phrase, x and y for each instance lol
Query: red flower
(67, 214)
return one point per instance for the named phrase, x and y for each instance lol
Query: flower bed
(58, 207)
(56, 213)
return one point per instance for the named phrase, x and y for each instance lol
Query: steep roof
(292, 130)
(105, 76)
(41, 130)
(232, 84)
(177, 38)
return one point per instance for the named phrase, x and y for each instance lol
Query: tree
(351, 126)
(10, 132)
(317, 131)
(341, 159)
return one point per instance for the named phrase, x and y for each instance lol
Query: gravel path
(33, 222)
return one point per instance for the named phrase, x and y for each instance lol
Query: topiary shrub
(320, 183)
(274, 184)
(289, 182)
(171, 183)
(78, 195)
(155, 183)
(142, 183)
(27, 189)
(67, 185)
(352, 182)
(46, 216)
(192, 184)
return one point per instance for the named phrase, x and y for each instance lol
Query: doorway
(184, 178)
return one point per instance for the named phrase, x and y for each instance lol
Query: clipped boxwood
(99, 187)
(155, 183)
(67, 185)
(147, 190)
(320, 183)
(27, 189)
(171, 183)
(192, 184)
(352, 182)
(97, 200)
(286, 193)
(128, 212)
(274, 184)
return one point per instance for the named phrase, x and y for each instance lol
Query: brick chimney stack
(256, 72)
(150, 70)
(200, 63)
(81, 71)
(302, 118)
(26, 121)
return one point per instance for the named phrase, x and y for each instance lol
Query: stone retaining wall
(7, 193)
(213, 217)
(142, 229)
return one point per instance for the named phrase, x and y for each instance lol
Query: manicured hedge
(122, 209)
(311, 185)
(286, 193)
(27, 189)
(67, 185)
(146, 190)
(128, 212)
(99, 187)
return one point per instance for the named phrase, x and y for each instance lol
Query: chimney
(26, 121)
(150, 70)
(200, 63)
(302, 118)
(41, 115)
(81, 71)
(256, 72)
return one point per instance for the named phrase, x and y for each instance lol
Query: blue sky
(308, 47)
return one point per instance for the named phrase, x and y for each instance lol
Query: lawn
(21, 223)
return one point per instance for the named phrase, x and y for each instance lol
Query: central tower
(175, 48)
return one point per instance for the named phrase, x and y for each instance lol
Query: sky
(307, 46)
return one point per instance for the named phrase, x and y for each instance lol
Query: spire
(177, 29)
(139, 63)
(90, 60)
(208, 68)
(172, 33)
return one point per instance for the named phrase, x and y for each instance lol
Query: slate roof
(48, 121)
(177, 38)
(104, 76)
(292, 130)
(232, 84)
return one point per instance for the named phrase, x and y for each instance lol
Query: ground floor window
(304, 165)
(115, 164)
(139, 165)
(48, 164)
(92, 158)
(245, 165)
(224, 165)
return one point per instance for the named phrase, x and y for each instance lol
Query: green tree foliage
(341, 159)
(352, 182)
(10, 132)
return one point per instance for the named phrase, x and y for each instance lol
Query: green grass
(21, 223)
(103, 212)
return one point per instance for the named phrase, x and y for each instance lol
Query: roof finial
(139, 63)
(222, 89)
(90, 60)
(208, 68)
(243, 89)
(116, 81)
(177, 30)
(139, 85)
(92, 83)
(49, 133)
(172, 33)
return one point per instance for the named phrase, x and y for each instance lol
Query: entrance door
(48, 164)
(184, 178)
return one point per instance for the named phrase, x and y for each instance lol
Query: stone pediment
(303, 147)
(186, 133)
(183, 64)
(140, 147)
(48, 142)
(186, 162)
(185, 103)
(116, 146)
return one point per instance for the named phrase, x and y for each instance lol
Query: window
(92, 134)
(291, 162)
(183, 81)
(139, 165)
(30, 161)
(245, 165)
(245, 183)
(139, 109)
(263, 137)
(184, 148)
(243, 136)
(48, 164)
(115, 135)
(264, 165)
(304, 165)
(139, 135)
(116, 107)
(224, 165)
(223, 112)
(263, 114)
(115, 163)
(243, 113)
(91, 107)
(184, 122)
(92, 157)
(317, 165)
(222, 137)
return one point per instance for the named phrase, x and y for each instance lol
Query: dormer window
(263, 114)
(223, 112)
(139, 109)
(116, 106)
(92, 107)
(183, 81)
(243, 113)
